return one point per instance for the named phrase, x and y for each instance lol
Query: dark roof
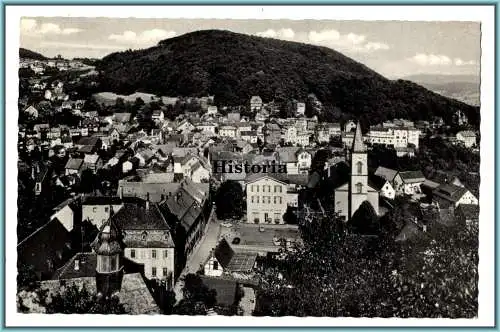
(449, 192)
(87, 262)
(91, 140)
(386, 173)
(74, 163)
(412, 175)
(135, 216)
(376, 182)
(101, 200)
(225, 289)
(223, 253)
(182, 205)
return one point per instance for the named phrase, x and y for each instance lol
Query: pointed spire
(358, 144)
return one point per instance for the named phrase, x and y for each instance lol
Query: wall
(270, 207)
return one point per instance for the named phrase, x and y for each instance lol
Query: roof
(158, 178)
(134, 293)
(412, 176)
(184, 207)
(449, 192)
(386, 173)
(74, 163)
(376, 182)
(225, 289)
(135, 216)
(467, 133)
(223, 253)
(358, 145)
(121, 117)
(91, 158)
(141, 189)
(91, 140)
(87, 263)
(101, 200)
(258, 237)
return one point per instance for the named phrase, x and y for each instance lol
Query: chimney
(77, 264)
(121, 192)
(147, 201)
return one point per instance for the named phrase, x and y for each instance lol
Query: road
(200, 253)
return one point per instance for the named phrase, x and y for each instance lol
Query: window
(359, 164)
(94, 209)
(275, 199)
(216, 265)
(132, 253)
(106, 209)
(263, 189)
(257, 198)
(268, 189)
(165, 253)
(277, 189)
(153, 254)
(359, 187)
(144, 235)
(165, 271)
(252, 198)
(153, 271)
(279, 199)
(277, 217)
(257, 189)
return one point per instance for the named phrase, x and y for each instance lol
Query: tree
(364, 220)
(78, 300)
(197, 298)
(229, 200)
(319, 160)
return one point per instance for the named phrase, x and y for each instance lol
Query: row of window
(154, 272)
(154, 255)
(266, 199)
(265, 188)
(267, 218)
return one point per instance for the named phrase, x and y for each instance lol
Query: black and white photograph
(266, 169)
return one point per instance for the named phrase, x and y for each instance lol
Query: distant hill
(233, 67)
(27, 54)
(461, 87)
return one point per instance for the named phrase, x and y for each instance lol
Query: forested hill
(27, 54)
(235, 66)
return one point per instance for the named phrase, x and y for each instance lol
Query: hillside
(27, 54)
(235, 66)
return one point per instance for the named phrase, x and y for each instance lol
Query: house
(121, 118)
(267, 199)
(212, 110)
(233, 117)
(467, 137)
(383, 186)
(301, 108)
(185, 127)
(31, 111)
(207, 127)
(157, 191)
(297, 160)
(187, 214)
(88, 145)
(98, 209)
(225, 261)
(157, 116)
(147, 238)
(272, 133)
(255, 104)
(144, 156)
(448, 195)
(92, 162)
(199, 173)
(408, 183)
(74, 166)
(386, 173)
(227, 131)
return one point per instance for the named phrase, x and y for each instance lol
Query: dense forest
(27, 54)
(235, 66)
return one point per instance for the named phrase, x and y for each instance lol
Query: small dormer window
(144, 236)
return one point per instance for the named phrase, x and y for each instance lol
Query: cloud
(81, 45)
(145, 37)
(32, 28)
(350, 42)
(280, 34)
(427, 60)
(460, 62)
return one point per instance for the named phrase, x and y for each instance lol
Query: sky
(393, 48)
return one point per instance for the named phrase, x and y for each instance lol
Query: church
(356, 188)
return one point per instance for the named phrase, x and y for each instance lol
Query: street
(200, 253)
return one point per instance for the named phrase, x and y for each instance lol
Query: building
(383, 186)
(301, 108)
(297, 160)
(147, 239)
(267, 199)
(255, 104)
(408, 183)
(98, 209)
(349, 126)
(467, 137)
(354, 190)
(226, 261)
(386, 173)
(448, 195)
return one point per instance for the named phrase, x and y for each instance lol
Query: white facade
(158, 262)
(98, 214)
(267, 200)
(301, 108)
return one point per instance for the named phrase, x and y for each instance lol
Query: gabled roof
(91, 158)
(74, 163)
(412, 176)
(386, 173)
(376, 182)
(449, 192)
(135, 216)
(223, 253)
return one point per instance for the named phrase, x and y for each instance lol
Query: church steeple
(358, 144)
(109, 249)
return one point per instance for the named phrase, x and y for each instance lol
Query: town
(181, 205)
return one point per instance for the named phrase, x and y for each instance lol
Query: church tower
(109, 270)
(359, 172)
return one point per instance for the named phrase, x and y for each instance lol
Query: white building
(467, 137)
